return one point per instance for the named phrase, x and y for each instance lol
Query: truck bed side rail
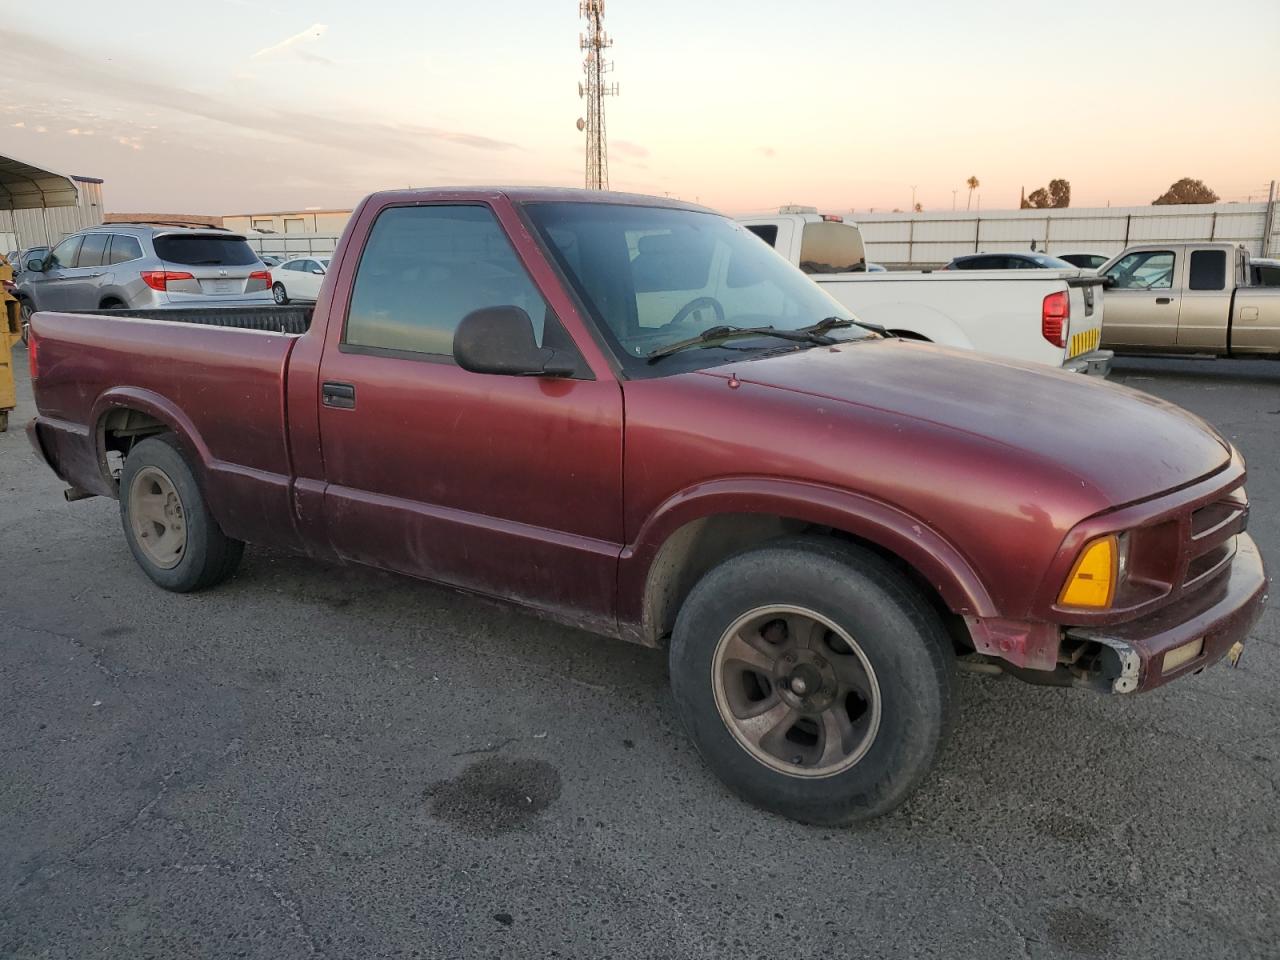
(274, 319)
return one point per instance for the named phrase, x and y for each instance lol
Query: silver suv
(144, 267)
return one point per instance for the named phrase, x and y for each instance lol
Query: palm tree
(973, 185)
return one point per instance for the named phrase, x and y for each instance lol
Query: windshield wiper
(725, 332)
(836, 323)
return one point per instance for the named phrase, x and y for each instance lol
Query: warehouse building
(39, 206)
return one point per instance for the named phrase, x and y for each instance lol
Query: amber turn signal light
(1092, 582)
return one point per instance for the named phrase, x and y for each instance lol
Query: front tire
(814, 679)
(167, 523)
(279, 294)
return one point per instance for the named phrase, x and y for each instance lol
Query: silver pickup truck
(1195, 298)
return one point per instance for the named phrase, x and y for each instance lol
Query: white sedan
(298, 279)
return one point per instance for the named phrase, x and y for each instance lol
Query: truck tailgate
(1084, 335)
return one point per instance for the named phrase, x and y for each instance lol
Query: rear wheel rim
(796, 691)
(157, 518)
(278, 292)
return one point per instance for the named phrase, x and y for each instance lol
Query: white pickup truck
(1052, 317)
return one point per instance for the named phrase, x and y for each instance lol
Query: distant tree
(973, 183)
(1056, 195)
(1186, 190)
(919, 208)
(897, 209)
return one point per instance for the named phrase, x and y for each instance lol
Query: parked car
(509, 392)
(298, 279)
(270, 260)
(143, 267)
(1198, 298)
(1266, 273)
(1009, 261)
(1085, 261)
(995, 314)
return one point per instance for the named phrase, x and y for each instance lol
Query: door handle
(340, 395)
(1164, 300)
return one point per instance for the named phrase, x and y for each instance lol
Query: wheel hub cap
(796, 691)
(156, 517)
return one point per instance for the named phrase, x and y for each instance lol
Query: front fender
(940, 562)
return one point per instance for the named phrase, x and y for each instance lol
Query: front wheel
(168, 526)
(814, 679)
(278, 294)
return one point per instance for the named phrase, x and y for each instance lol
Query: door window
(1208, 270)
(1144, 270)
(64, 254)
(93, 251)
(425, 268)
(123, 249)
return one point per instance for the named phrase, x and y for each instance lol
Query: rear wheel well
(698, 546)
(108, 302)
(118, 431)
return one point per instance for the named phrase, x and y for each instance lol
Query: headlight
(1092, 581)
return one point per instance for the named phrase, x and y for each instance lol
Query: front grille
(1211, 544)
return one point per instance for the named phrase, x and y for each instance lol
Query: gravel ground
(325, 761)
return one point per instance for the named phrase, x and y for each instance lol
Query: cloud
(313, 32)
(141, 86)
(628, 149)
(768, 152)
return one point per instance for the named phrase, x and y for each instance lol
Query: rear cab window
(204, 250)
(1208, 270)
(829, 246)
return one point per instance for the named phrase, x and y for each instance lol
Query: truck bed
(275, 319)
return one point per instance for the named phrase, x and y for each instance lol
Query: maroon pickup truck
(630, 415)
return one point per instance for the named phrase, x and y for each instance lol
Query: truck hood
(1127, 445)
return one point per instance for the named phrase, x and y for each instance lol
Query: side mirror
(500, 340)
(35, 266)
(318, 272)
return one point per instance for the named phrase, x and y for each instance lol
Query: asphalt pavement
(324, 761)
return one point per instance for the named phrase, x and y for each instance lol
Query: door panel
(1206, 301)
(1142, 307)
(52, 288)
(506, 485)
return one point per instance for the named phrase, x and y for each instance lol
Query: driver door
(51, 289)
(1142, 306)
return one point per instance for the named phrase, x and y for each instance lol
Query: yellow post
(10, 329)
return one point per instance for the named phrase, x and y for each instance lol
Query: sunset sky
(232, 106)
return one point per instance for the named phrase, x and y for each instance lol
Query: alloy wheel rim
(157, 518)
(796, 691)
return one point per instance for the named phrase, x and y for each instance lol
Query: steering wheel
(697, 303)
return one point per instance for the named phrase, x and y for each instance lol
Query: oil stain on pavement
(495, 795)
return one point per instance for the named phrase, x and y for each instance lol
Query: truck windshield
(654, 276)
